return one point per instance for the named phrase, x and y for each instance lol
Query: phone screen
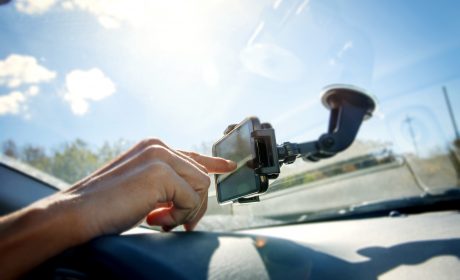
(237, 146)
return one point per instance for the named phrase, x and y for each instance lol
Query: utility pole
(454, 153)
(409, 121)
(451, 112)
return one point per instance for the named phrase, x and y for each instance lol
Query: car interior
(403, 242)
(337, 197)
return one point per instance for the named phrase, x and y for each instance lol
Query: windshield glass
(81, 81)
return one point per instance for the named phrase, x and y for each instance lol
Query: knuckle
(193, 202)
(207, 181)
(156, 152)
(193, 155)
(150, 142)
(201, 181)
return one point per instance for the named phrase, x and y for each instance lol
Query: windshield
(81, 81)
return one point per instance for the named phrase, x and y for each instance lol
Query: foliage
(70, 162)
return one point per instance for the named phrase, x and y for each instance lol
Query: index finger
(212, 164)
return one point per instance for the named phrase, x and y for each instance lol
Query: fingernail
(231, 164)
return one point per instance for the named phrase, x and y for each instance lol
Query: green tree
(109, 151)
(10, 149)
(69, 162)
(73, 161)
(37, 157)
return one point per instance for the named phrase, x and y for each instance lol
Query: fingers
(151, 176)
(124, 157)
(141, 147)
(194, 175)
(196, 182)
(192, 224)
(154, 141)
(186, 202)
(186, 184)
(212, 164)
(169, 212)
(164, 205)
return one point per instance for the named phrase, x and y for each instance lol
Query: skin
(167, 187)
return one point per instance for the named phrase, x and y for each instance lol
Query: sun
(179, 28)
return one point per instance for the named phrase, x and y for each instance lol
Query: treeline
(69, 162)
(74, 160)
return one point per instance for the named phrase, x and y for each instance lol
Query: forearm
(137, 185)
(30, 236)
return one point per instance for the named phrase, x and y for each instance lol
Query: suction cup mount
(349, 106)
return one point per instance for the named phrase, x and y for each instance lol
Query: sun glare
(179, 28)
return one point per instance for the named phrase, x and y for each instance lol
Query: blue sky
(182, 71)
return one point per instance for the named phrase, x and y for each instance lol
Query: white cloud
(24, 74)
(34, 6)
(110, 13)
(17, 70)
(16, 102)
(32, 90)
(85, 86)
(12, 103)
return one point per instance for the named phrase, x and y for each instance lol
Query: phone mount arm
(349, 107)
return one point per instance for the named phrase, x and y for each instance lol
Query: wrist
(38, 232)
(58, 216)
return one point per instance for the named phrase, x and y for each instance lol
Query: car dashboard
(422, 246)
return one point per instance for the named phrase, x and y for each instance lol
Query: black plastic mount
(348, 110)
(266, 149)
(349, 107)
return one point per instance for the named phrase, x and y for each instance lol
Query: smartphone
(238, 146)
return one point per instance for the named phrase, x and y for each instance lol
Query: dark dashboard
(423, 246)
(405, 246)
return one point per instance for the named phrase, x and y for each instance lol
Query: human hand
(151, 180)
